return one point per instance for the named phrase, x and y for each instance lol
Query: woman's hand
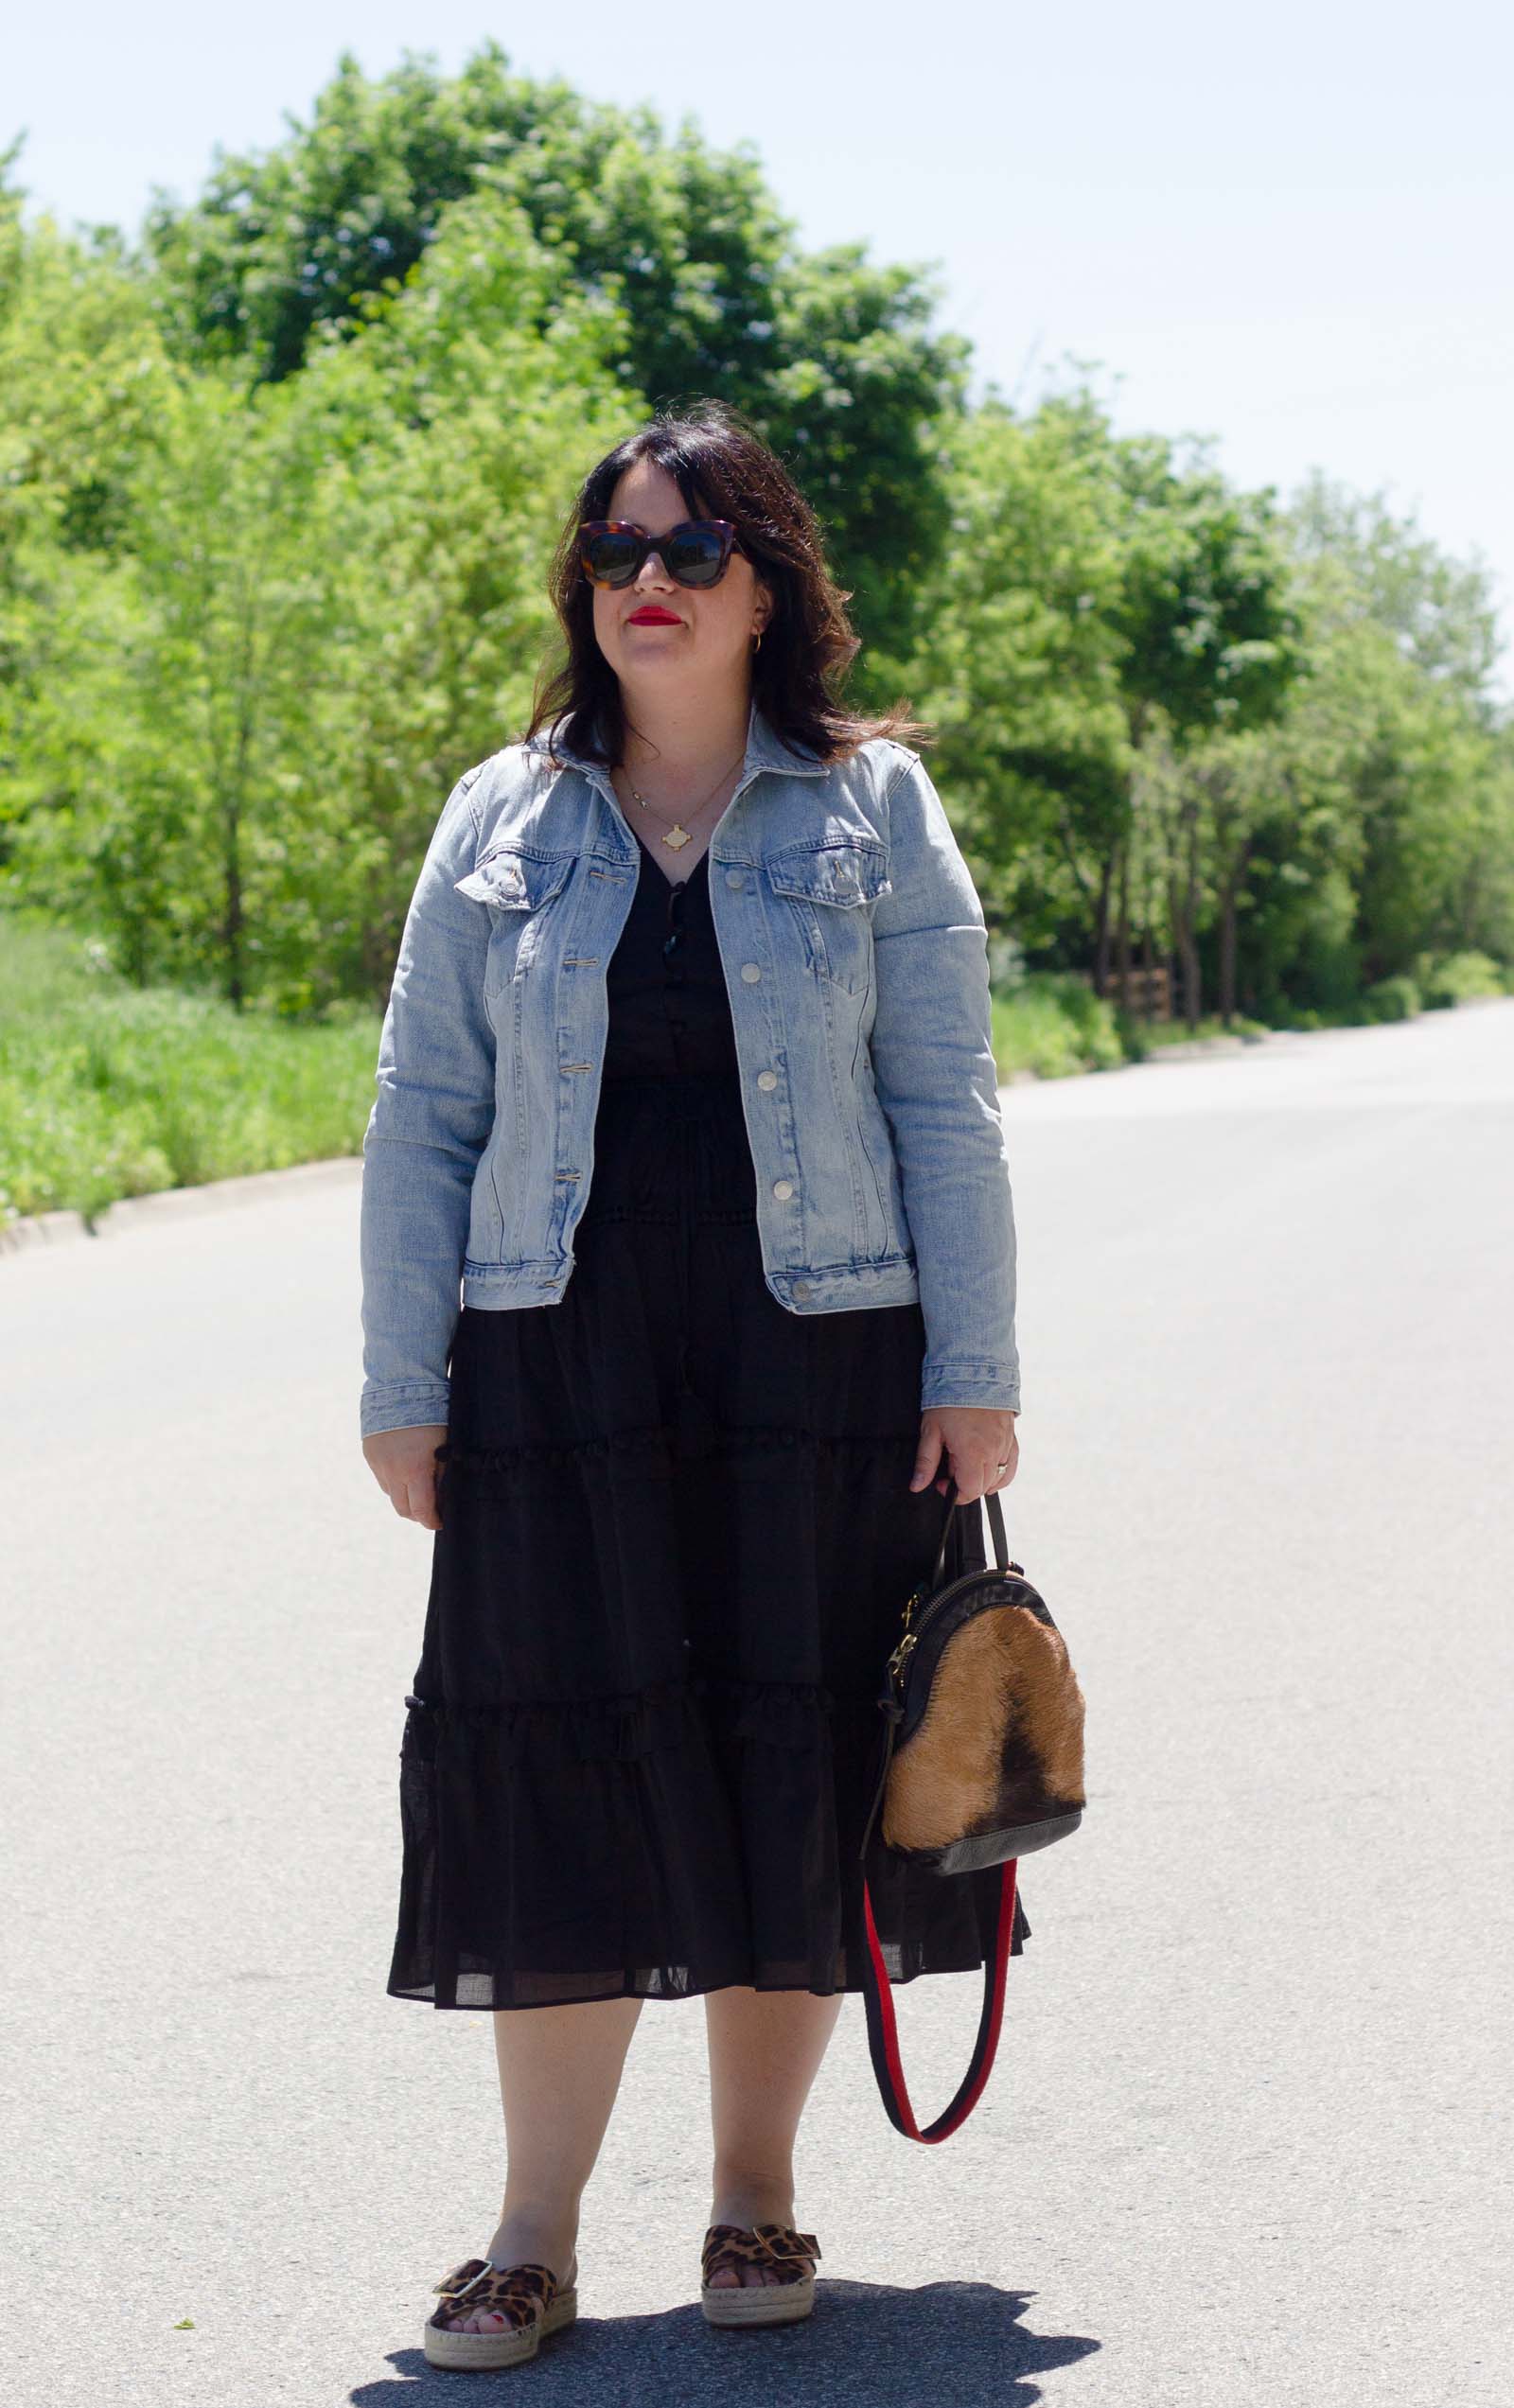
(977, 1439)
(404, 1464)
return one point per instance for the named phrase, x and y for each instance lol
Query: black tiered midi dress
(677, 1535)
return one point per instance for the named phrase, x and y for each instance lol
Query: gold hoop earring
(757, 641)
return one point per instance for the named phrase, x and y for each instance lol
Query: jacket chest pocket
(519, 885)
(828, 887)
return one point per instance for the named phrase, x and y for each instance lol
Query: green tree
(1369, 565)
(1019, 664)
(329, 596)
(1212, 643)
(833, 356)
(1396, 747)
(83, 380)
(278, 491)
(1100, 596)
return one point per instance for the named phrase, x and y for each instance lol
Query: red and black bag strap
(883, 2035)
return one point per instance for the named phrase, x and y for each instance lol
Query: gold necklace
(676, 837)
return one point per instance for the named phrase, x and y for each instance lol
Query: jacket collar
(765, 749)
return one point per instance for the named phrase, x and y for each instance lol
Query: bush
(1391, 999)
(1460, 977)
(1052, 1023)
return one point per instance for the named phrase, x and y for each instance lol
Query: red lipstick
(650, 615)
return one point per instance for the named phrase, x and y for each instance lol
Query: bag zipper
(911, 1638)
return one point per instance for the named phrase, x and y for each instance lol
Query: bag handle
(950, 1526)
(883, 2032)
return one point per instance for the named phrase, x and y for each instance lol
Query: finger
(408, 1495)
(423, 1500)
(927, 1455)
(436, 1482)
(982, 1482)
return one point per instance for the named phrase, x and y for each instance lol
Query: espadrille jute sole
(761, 2303)
(484, 2351)
(777, 2303)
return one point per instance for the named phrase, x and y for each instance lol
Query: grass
(110, 1090)
(1052, 1024)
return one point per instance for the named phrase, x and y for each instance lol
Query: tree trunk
(1122, 928)
(240, 786)
(1183, 912)
(1101, 922)
(1229, 898)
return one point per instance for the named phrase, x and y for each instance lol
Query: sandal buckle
(787, 2245)
(452, 2289)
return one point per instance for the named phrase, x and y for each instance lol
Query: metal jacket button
(750, 972)
(802, 1290)
(782, 1189)
(734, 878)
(767, 1078)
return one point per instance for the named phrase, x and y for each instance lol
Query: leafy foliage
(832, 357)
(279, 485)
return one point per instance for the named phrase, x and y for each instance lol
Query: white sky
(1289, 227)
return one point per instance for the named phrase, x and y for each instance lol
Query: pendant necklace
(676, 837)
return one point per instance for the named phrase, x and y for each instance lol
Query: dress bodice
(669, 1010)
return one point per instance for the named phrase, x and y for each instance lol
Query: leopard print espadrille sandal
(529, 2295)
(766, 2303)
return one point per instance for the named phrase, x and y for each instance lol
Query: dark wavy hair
(722, 469)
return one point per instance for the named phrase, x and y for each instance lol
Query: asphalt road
(1248, 2137)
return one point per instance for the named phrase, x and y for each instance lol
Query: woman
(687, 1071)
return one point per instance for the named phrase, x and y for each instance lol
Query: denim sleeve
(430, 1123)
(937, 1081)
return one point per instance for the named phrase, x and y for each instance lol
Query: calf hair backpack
(981, 1764)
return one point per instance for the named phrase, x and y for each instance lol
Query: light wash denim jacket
(855, 959)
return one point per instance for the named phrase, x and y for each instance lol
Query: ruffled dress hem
(670, 1785)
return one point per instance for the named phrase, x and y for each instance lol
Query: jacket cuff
(411, 1404)
(991, 1385)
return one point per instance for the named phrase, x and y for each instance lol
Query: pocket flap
(515, 880)
(849, 869)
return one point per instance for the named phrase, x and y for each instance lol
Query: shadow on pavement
(960, 2345)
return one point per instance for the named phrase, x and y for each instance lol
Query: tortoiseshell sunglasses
(697, 552)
